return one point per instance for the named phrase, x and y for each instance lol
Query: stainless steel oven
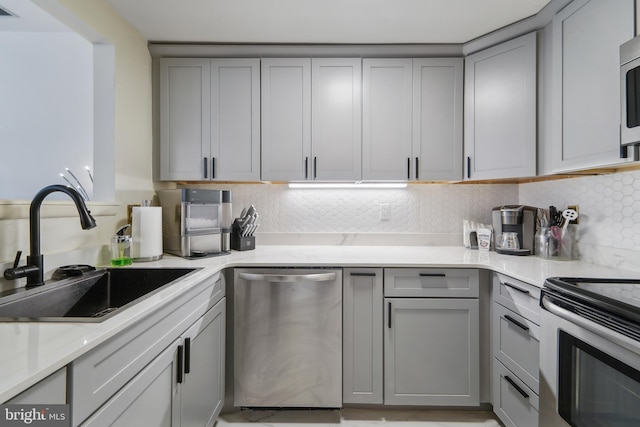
(590, 353)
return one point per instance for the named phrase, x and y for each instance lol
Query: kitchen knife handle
(515, 322)
(306, 168)
(389, 315)
(408, 167)
(468, 167)
(206, 164)
(187, 355)
(315, 167)
(516, 386)
(213, 168)
(180, 374)
(417, 169)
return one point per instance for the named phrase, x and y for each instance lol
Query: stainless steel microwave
(630, 92)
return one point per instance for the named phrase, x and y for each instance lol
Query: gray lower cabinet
(51, 390)
(186, 337)
(183, 386)
(515, 348)
(362, 373)
(431, 345)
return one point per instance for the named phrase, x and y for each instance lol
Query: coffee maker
(517, 219)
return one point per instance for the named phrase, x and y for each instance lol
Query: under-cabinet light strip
(318, 185)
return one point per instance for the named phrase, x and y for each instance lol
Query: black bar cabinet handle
(432, 275)
(389, 319)
(187, 355)
(468, 167)
(213, 167)
(306, 168)
(417, 169)
(315, 167)
(515, 322)
(524, 291)
(180, 375)
(363, 274)
(408, 167)
(206, 165)
(516, 386)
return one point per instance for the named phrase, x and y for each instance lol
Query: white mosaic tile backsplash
(608, 233)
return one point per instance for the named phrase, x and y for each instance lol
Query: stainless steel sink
(92, 297)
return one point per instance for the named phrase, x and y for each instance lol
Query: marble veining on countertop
(32, 351)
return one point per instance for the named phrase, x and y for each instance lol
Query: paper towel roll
(147, 233)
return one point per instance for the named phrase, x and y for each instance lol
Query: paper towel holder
(147, 232)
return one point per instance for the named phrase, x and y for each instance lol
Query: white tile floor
(358, 418)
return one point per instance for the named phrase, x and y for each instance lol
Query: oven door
(589, 375)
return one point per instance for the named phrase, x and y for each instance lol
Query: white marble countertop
(32, 351)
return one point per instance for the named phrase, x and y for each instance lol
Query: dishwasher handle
(288, 278)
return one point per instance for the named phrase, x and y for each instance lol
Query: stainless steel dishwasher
(288, 338)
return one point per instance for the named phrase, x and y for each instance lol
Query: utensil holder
(240, 243)
(553, 243)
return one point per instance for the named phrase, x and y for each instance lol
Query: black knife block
(240, 243)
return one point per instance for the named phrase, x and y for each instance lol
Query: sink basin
(92, 297)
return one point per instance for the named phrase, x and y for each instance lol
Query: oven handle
(589, 325)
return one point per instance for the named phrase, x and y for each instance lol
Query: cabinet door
(286, 118)
(149, 399)
(386, 116)
(362, 336)
(437, 119)
(235, 119)
(431, 352)
(185, 103)
(336, 119)
(500, 110)
(202, 389)
(587, 35)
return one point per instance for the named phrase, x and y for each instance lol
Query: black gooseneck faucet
(34, 270)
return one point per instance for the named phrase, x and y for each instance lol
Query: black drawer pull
(180, 374)
(516, 386)
(432, 275)
(213, 168)
(468, 167)
(515, 322)
(524, 291)
(363, 274)
(206, 164)
(417, 169)
(306, 168)
(187, 355)
(389, 320)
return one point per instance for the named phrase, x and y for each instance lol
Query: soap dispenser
(121, 248)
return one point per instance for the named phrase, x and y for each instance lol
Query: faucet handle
(17, 260)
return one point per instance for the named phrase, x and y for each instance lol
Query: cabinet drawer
(516, 342)
(515, 404)
(98, 374)
(517, 296)
(431, 282)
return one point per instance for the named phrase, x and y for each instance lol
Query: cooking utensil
(568, 215)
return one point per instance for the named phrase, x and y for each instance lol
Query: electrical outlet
(577, 220)
(385, 211)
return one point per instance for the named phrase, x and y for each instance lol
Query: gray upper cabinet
(437, 119)
(336, 118)
(586, 36)
(209, 119)
(387, 110)
(185, 102)
(286, 118)
(500, 110)
(301, 94)
(235, 119)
